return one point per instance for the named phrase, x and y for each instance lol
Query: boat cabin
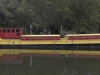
(10, 33)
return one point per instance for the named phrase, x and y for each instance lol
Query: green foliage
(86, 15)
(81, 16)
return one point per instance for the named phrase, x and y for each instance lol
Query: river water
(66, 66)
(53, 66)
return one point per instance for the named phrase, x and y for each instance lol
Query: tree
(85, 15)
(81, 16)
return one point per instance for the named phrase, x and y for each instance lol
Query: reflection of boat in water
(14, 43)
(31, 52)
(13, 56)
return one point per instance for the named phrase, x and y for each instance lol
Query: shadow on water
(54, 47)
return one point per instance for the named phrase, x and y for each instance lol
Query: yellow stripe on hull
(30, 42)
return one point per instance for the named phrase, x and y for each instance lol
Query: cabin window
(13, 30)
(3, 30)
(8, 30)
(17, 30)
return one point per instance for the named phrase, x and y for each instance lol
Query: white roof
(82, 34)
(38, 35)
